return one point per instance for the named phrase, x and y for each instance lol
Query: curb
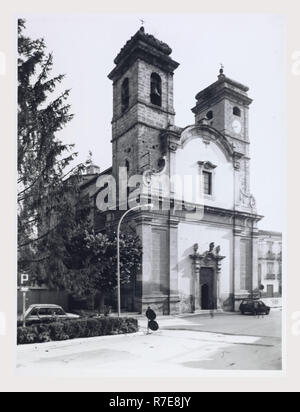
(71, 342)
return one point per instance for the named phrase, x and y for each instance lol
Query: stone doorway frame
(208, 280)
(210, 259)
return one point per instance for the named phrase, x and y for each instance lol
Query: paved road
(182, 347)
(236, 324)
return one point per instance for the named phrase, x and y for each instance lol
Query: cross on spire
(142, 21)
(222, 68)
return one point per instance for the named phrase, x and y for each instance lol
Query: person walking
(256, 309)
(151, 316)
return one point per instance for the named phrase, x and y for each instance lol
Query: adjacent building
(270, 263)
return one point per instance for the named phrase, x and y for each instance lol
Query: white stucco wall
(186, 164)
(203, 234)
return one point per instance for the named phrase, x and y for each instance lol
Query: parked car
(44, 313)
(254, 307)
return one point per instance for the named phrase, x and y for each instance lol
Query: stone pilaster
(255, 240)
(173, 245)
(144, 279)
(237, 260)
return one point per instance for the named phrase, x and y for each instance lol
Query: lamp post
(118, 251)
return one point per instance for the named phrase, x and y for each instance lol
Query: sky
(251, 48)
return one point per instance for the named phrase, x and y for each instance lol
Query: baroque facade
(193, 260)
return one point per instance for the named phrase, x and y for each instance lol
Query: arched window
(210, 115)
(155, 94)
(237, 111)
(125, 94)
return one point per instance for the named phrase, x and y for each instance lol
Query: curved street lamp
(150, 206)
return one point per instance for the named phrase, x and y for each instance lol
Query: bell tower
(142, 102)
(225, 106)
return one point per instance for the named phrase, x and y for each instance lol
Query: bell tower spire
(225, 106)
(142, 101)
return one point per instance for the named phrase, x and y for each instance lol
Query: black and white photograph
(150, 194)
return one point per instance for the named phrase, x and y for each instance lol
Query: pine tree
(57, 245)
(46, 192)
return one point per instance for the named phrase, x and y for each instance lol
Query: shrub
(78, 328)
(25, 335)
(57, 331)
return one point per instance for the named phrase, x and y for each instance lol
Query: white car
(39, 313)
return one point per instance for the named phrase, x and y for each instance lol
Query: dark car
(44, 313)
(254, 307)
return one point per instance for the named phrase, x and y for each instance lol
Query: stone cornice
(234, 213)
(208, 210)
(238, 139)
(143, 219)
(141, 48)
(174, 222)
(222, 83)
(137, 123)
(147, 104)
(220, 94)
(207, 165)
(140, 35)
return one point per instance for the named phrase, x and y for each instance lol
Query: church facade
(193, 259)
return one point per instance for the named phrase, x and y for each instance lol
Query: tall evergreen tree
(57, 245)
(45, 192)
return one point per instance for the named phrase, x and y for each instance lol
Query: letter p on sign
(24, 278)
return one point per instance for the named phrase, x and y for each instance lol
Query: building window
(259, 274)
(155, 94)
(270, 247)
(270, 291)
(207, 181)
(271, 269)
(210, 115)
(127, 165)
(237, 111)
(125, 95)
